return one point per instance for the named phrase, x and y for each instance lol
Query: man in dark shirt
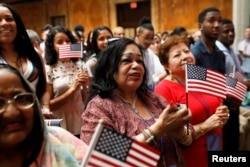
(205, 51)
(208, 55)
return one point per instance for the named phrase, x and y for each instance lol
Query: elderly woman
(120, 97)
(208, 116)
(24, 139)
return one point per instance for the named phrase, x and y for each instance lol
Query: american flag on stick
(237, 75)
(70, 51)
(200, 79)
(109, 148)
(235, 88)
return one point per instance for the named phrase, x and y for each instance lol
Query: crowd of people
(135, 85)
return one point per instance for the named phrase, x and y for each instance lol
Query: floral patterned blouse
(61, 76)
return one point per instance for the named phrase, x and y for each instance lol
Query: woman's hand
(218, 119)
(170, 120)
(223, 113)
(83, 78)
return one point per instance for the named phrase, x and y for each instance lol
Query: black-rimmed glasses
(21, 101)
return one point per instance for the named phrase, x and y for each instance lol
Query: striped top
(30, 73)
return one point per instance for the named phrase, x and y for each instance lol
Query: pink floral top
(116, 115)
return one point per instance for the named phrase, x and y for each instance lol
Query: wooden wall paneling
(165, 14)
(33, 15)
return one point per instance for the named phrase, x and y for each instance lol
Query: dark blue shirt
(215, 61)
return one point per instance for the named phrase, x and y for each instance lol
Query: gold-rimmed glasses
(21, 101)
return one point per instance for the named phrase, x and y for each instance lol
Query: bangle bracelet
(149, 137)
(45, 106)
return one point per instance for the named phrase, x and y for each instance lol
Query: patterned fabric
(117, 116)
(59, 149)
(61, 77)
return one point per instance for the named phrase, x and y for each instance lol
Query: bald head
(118, 32)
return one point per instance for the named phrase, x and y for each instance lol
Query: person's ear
(166, 67)
(200, 26)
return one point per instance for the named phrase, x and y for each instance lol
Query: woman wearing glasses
(24, 138)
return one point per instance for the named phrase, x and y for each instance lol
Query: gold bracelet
(202, 131)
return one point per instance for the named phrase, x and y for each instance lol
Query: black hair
(178, 30)
(47, 27)
(96, 33)
(25, 49)
(204, 12)
(226, 21)
(79, 27)
(107, 65)
(34, 141)
(51, 56)
(145, 23)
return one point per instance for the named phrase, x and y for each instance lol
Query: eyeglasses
(21, 101)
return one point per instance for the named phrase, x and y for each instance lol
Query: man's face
(247, 33)
(227, 34)
(211, 26)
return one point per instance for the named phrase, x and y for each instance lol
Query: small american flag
(70, 51)
(235, 88)
(237, 75)
(200, 79)
(110, 149)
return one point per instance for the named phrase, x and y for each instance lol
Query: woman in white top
(99, 42)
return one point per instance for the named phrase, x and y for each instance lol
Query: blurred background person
(36, 41)
(99, 41)
(164, 36)
(182, 31)
(78, 33)
(144, 38)
(244, 53)
(159, 71)
(119, 32)
(45, 30)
